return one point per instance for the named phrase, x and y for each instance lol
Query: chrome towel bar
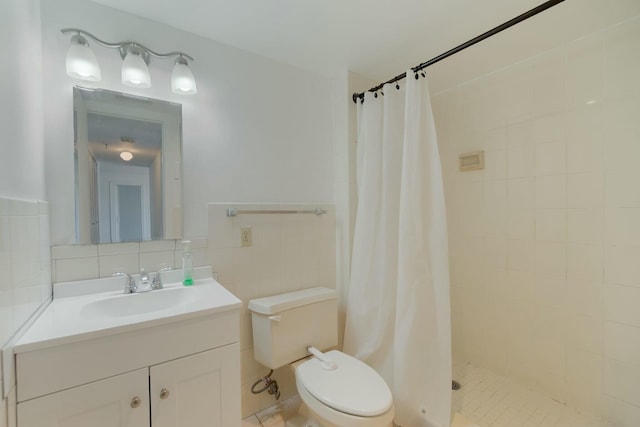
(235, 211)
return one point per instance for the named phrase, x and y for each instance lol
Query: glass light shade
(126, 156)
(135, 71)
(81, 61)
(182, 81)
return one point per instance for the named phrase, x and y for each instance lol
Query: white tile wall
(79, 262)
(557, 212)
(289, 252)
(25, 270)
(25, 265)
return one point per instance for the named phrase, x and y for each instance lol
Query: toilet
(337, 390)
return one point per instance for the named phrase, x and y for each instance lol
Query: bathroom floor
(486, 399)
(492, 400)
(282, 414)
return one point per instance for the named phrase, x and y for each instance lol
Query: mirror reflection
(128, 154)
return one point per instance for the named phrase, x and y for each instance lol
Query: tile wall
(25, 269)
(545, 241)
(79, 262)
(289, 253)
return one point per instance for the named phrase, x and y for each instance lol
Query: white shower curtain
(398, 312)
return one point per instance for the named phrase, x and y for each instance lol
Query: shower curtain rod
(536, 10)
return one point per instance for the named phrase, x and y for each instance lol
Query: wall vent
(472, 161)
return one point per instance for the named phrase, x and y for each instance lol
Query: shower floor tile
(492, 400)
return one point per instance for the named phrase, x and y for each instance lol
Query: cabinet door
(106, 403)
(202, 390)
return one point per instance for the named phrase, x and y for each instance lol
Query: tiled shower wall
(25, 272)
(545, 241)
(288, 253)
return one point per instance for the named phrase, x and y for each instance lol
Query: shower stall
(544, 238)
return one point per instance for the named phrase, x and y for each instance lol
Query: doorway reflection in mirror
(127, 167)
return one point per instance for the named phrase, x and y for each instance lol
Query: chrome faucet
(156, 283)
(130, 287)
(145, 284)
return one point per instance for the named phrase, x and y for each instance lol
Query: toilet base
(311, 419)
(301, 421)
(341, 419)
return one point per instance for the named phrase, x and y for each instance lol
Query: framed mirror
(128, 167)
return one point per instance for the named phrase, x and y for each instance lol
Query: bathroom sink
(99, 307)
(92, 332)
(140, 303)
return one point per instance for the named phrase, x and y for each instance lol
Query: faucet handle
(130, 286)
(156, 283)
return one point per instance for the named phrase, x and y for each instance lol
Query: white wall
(22, 159)
(345, 136)
(24, 234)
(545, 241)
(257, 130)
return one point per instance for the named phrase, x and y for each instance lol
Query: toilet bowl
(340, 390)
(351, 395)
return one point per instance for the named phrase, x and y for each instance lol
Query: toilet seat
(352, 388)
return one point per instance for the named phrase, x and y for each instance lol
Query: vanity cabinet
(177, 364)
(105, 403)
(193, 391)
(197, 391)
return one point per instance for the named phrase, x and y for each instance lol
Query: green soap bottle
(187, 264)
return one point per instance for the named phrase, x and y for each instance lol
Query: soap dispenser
(187, 264)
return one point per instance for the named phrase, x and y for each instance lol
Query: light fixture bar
(123, 44)
(82, 63)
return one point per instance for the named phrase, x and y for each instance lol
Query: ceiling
(380, 39)
(110, 135)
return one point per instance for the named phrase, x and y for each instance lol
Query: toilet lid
(353, 388)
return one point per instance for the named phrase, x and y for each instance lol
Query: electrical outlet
(245, 236)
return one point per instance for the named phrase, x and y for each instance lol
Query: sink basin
(98, 307)
(140, 303)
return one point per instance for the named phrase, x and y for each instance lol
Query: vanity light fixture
(134, 68)
(126, 156)
(82, 63)
(182, 80)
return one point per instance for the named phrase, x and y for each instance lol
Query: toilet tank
(285, 325)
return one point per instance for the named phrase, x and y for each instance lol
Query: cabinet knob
(164, 393)
(135, 402)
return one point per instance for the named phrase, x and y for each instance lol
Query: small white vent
(472, 161)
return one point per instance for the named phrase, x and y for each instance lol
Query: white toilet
(340, 392)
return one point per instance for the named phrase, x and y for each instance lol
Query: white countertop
(75, 318)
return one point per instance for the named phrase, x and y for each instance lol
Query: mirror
(128, 174)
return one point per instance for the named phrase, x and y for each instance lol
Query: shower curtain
(398, 310)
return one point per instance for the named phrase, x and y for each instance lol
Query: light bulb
(182, 80)
(81, 61)
(135, 71)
